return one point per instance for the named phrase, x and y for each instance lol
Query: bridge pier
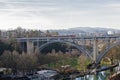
(30, 47)
(95, 49)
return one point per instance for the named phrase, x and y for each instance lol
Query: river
(100, 76)
(47, 75)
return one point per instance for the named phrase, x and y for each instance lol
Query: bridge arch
(80, 48)
(106, 51)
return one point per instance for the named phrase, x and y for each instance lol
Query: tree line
(21, 32)
(29, 63)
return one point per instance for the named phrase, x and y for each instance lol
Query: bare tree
(10, 60)
(27, 63)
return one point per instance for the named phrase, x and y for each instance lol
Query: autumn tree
(83, 61)
(113, 54)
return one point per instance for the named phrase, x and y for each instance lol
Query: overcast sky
(59, 14)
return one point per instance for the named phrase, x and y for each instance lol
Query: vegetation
(5, 46)
(113, 56)
(9, 45)
(20, 33)
(83, 61)
(18, 62)
(57, 47)
(28, 63)
(53, 56)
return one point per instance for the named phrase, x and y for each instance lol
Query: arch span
(80, 48)
(106, 51)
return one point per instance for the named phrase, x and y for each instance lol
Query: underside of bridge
(80, 48)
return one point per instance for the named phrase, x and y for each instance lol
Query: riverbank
(115, 76)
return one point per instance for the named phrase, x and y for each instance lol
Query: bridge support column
(30, 47)
(95, 50)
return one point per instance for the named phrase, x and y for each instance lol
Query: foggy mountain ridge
(86, 30)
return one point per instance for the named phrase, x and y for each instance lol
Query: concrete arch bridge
(80, 43)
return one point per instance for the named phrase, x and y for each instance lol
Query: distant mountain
(96, 29)
(85, 30)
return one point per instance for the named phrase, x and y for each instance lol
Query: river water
(100, 76)
(46, 74)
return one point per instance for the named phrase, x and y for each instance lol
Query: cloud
(66, 13)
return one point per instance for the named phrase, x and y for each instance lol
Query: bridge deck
(63, 38)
